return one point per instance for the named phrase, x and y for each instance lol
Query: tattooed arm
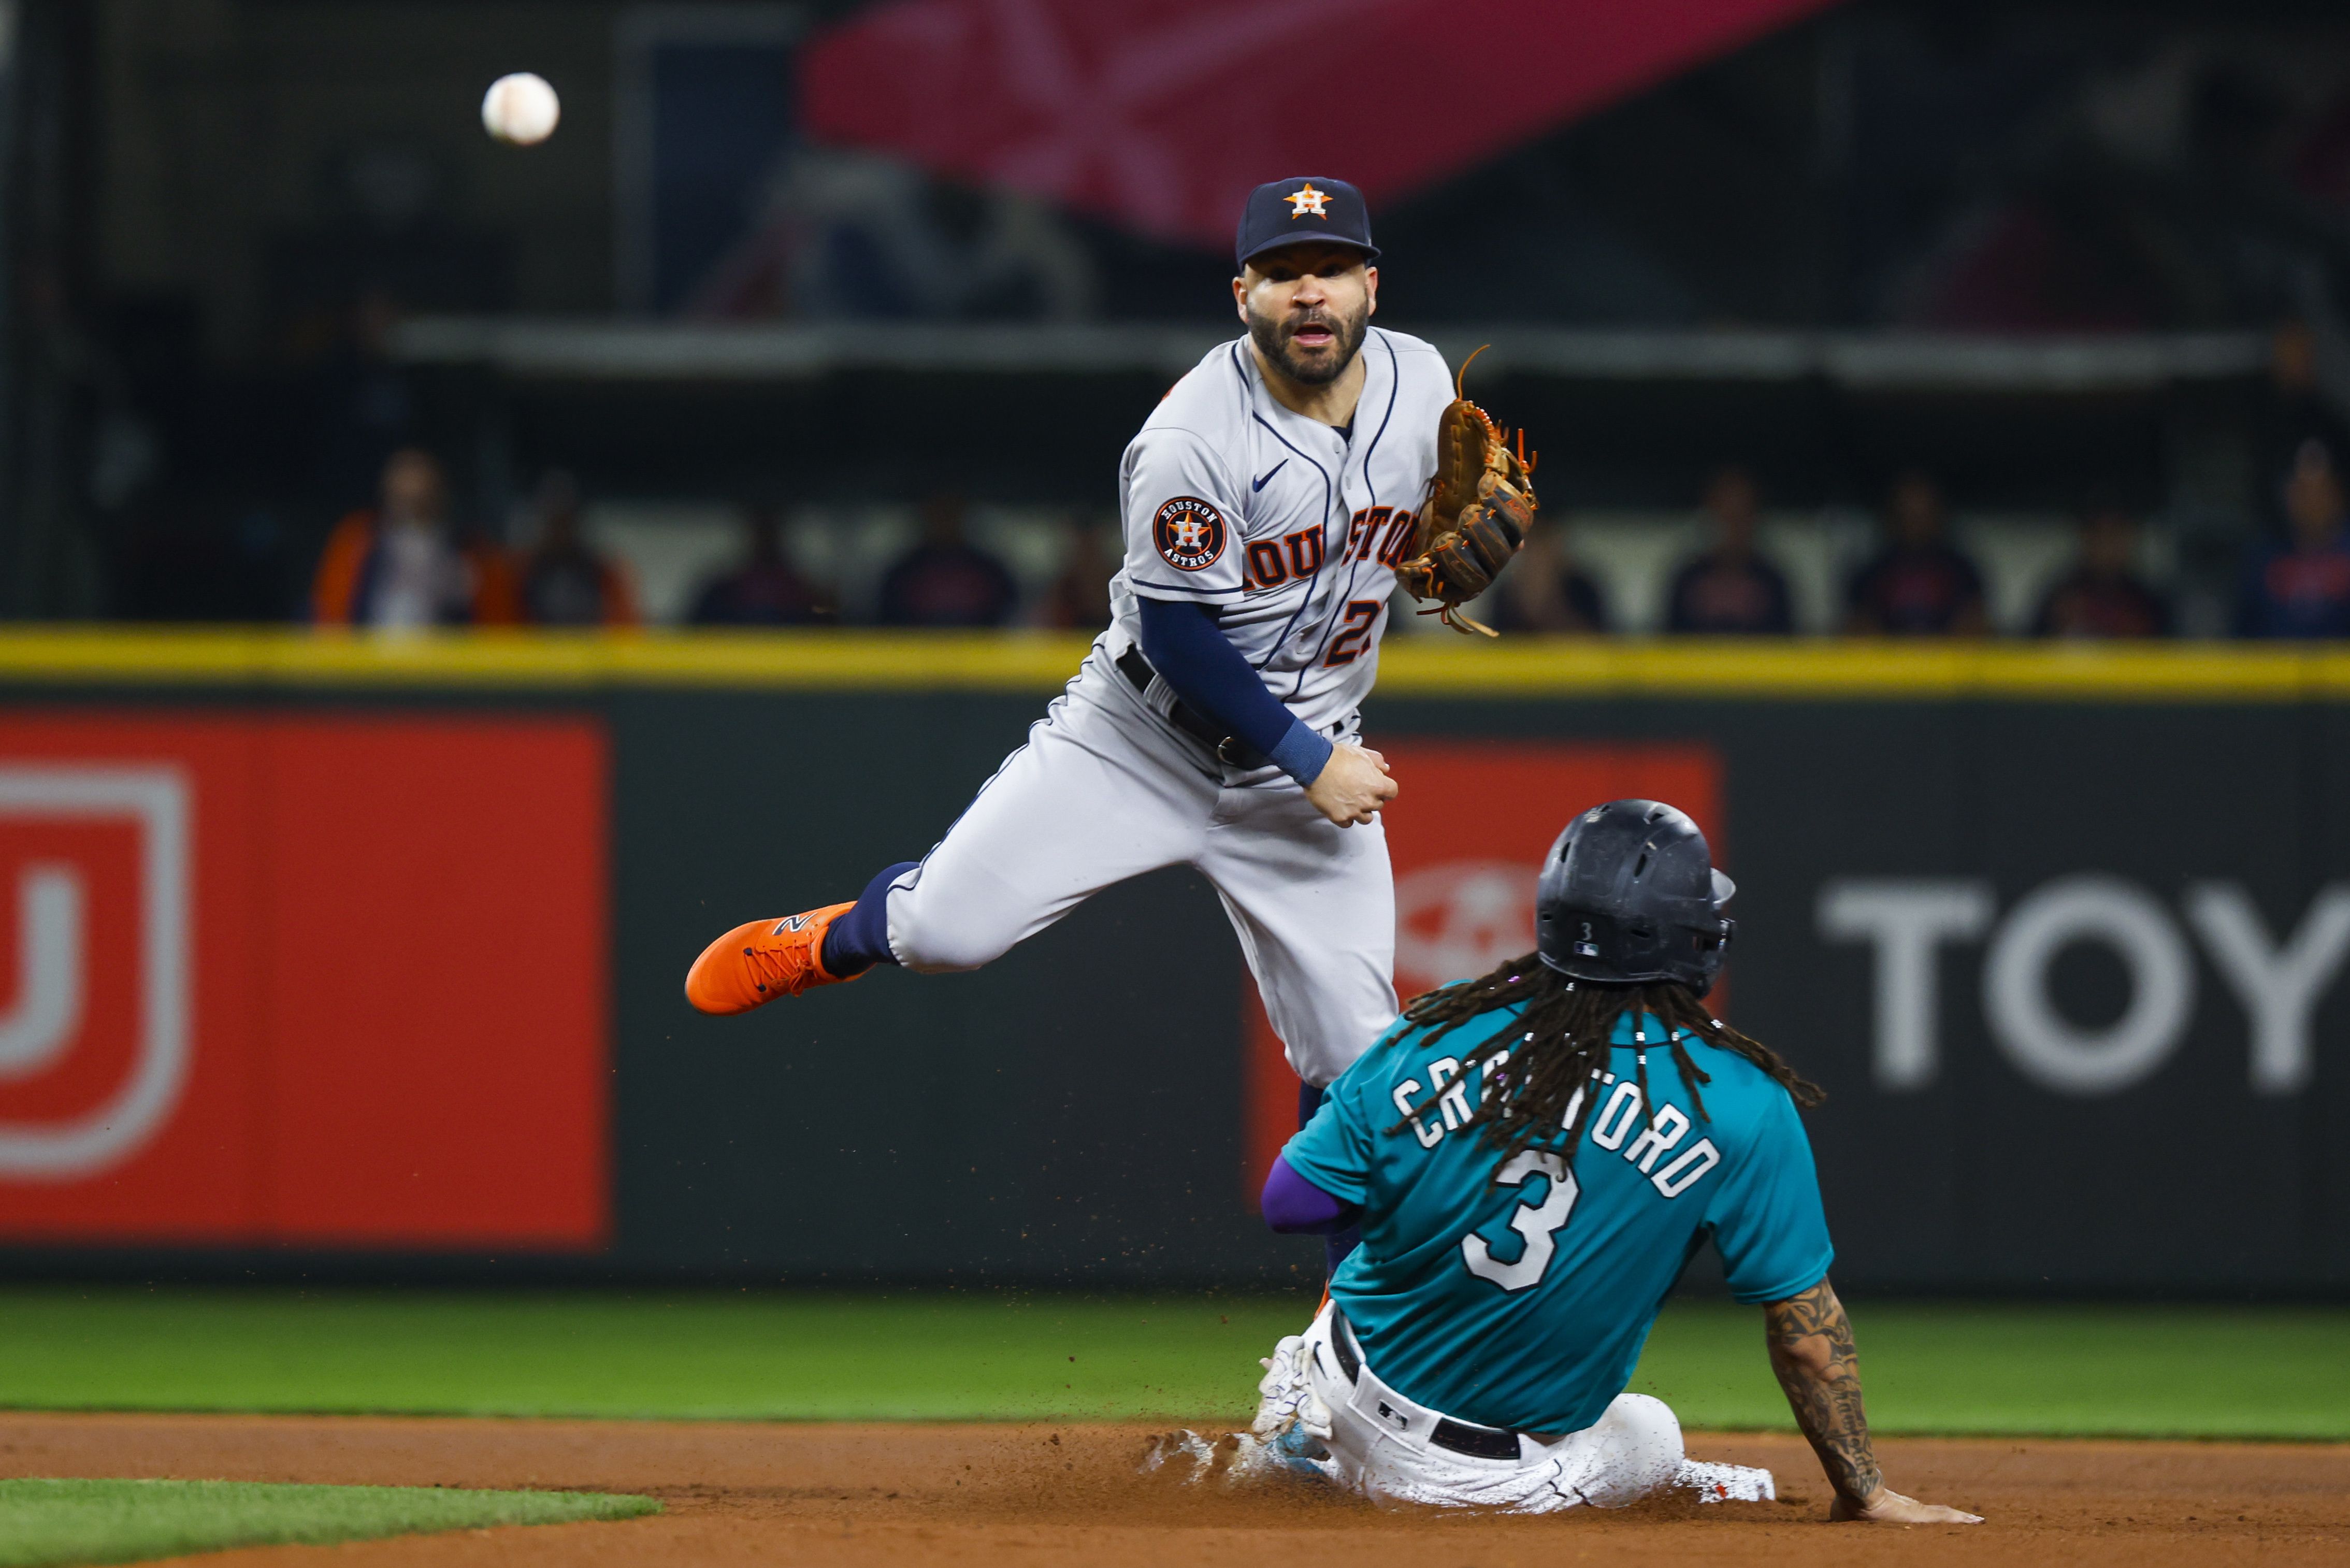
(1812, 1354)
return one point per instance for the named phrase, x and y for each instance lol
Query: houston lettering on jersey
(1287, 529)
(1273, 562)
(1386, 531)
(1390, 531)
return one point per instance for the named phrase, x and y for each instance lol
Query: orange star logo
(1306, 199)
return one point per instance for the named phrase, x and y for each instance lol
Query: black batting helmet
(1629, 894)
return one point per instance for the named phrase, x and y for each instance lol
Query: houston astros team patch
(1190, 534)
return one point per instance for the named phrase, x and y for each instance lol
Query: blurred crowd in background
(405, 562)
(236, 224)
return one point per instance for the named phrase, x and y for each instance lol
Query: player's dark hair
(1561, 1047)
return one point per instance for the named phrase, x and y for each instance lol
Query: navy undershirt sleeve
(1188, 648)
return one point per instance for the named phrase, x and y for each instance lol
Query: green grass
(686, 1355)
(61, 1521)
(2265, 1372)
(2068, 1370)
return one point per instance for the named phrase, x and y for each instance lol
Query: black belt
(1231, 749)
(1477, 1442)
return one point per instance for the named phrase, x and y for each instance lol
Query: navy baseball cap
(1286, 212)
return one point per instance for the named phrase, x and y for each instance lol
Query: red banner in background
(1467, 839)
(335, 982)
(1162, 114)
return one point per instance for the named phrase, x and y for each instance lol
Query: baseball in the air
(521, 108)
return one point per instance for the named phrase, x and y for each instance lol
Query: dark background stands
(1920, 584)
(2103, 595)
(564, 582)
(2300, 586)
(400, 563)
(763, 589)
(1078, 600)
(1545, 590)
(1731, 588)
(946, 580)
(2294, 409)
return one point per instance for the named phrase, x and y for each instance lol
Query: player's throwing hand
(1352, 785)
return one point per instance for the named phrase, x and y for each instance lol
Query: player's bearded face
(1310, 329)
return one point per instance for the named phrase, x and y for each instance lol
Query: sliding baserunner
(1533, 1156)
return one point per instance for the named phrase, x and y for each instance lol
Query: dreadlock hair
(1536, 1076)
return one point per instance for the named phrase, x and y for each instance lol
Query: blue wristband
(1301, 753)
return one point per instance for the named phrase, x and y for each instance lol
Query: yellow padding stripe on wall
(817, 660)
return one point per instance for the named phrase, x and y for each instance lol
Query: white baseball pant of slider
(1107, 789)
(1379, 1446)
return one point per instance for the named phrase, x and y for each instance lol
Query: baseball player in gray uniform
(1267, 502)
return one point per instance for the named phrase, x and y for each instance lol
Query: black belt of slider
(1477, 1442)
(1231, 749)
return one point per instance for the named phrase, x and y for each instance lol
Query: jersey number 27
(1537, 1223)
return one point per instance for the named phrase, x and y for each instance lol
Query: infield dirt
(1042, 1496)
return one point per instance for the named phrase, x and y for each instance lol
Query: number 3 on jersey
(1537, 1223)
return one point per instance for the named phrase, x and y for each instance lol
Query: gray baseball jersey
(1292, 530)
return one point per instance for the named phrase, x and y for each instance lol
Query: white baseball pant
(1107, 789)
(1380, 1445)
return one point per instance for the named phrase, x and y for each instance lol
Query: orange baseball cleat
(752, 965)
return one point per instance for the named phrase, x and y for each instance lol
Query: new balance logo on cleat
(757, 962)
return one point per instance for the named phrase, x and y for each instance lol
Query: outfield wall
(367, 955)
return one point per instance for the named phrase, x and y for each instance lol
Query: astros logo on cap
(1306, 199)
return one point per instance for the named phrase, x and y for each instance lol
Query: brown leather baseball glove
(1481, 502)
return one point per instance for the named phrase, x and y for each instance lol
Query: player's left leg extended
(1102, 791)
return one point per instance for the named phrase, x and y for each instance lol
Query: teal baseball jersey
(1520, 1297)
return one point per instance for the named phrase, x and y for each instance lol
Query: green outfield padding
(45, 1522)
(2141, 1371)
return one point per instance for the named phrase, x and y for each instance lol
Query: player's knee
(931, 945)
(1645, 1422)
(1636, 1453)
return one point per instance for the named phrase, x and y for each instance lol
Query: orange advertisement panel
(271, 980)
(1467, 837)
